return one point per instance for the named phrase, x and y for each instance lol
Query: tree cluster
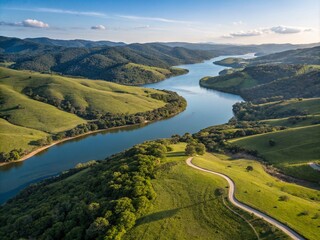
(104, 203)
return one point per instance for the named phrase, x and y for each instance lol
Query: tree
(200, 148)
(218, 192)
(272, 142)
(190, 150)
(97, 228)
(249, 168)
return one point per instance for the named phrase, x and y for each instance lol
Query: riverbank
(38, 150)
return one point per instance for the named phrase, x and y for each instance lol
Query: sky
(214, 21)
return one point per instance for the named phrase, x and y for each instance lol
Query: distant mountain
(10, 45)
(74, 43)
(129, 64)
(298, 56)
(230, 49)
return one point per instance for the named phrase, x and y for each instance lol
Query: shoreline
(38, 150)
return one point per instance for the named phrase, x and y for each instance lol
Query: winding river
(205, 108)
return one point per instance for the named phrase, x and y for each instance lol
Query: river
(205, 108)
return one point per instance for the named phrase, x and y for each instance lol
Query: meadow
(294, 205)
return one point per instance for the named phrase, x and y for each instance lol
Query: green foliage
(127, 64)
(268, 81)
(190, 150)
(194, 147)
(96, 201)
(249, 168)
(297, 109)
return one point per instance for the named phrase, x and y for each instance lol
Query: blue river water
(205, 108)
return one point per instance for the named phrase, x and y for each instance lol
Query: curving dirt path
(291, 233)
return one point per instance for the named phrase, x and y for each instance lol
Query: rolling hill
(269, 81)
(148, 190)
(40, 105)
(101, 62)
(307, 55)
(73, 43)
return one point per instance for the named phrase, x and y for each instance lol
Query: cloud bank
(33, 23)
(261, 31)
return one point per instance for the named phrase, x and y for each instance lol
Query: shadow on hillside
(175, 154)
(157, 216)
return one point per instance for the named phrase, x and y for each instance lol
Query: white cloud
(262, 31)
(34, 23)
(26, 23)
(285, 30)
(98, 27)
(62, 11)
(249, 33)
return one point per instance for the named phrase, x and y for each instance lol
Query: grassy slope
(34, 114)
(293, 150)
(186, 207)
(17, 137)
(308, 105)
(262, 191)
(100, 95)
(21, 111)
(267, 81)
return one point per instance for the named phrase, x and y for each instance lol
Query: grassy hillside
(15, 137)
(294, 205)
(20, 110)
(268, 81)
(303, 107)
(53, 105)
(293, 150)
(148, 192)
(186, 206)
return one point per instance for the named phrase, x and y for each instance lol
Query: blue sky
(220, 21)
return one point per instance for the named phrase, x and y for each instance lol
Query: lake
(205, 108)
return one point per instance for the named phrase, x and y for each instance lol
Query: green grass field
(293, 149)
(302, 122)
(13, 136)
(307, 105)
(22, 111)
(186, 206)
(23, 115)
(240, 80)
(301, 210)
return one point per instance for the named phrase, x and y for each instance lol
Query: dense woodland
(96, 200)
(101, 62)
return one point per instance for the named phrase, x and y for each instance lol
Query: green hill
(55, 105)
(148, 189)
(294, 205)
(303, 107)
(308, 56)
(293, 149)
(100, 62)
(269, 81)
